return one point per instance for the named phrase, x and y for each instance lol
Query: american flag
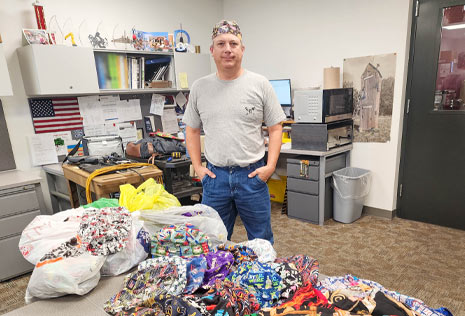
(55, 115)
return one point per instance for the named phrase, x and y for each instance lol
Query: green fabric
(103, 202)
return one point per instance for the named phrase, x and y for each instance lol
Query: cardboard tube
(331, 78)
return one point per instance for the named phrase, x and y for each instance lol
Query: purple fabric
(218, 266)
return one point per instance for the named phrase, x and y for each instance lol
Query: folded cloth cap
(225, 27)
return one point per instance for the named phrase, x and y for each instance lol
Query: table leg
(321, 191)
(73, 194)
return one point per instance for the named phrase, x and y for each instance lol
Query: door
(432, 174)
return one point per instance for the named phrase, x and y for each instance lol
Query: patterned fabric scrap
(219, 265)
(224, 298)
(153, 277)
(161, 305)
(101, 232)
(195, 272)
(260, 279)
(361, 288)
(241, 253)
(291, 280)
(307, 266)
(262, 248)
(180, 240)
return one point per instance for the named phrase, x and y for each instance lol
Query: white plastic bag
(202, 216)
(130, 256)
(46, 232)
(74, 275)
(262, 248)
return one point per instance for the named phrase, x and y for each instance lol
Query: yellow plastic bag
(150, 195)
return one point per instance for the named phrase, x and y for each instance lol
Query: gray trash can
(351, 186)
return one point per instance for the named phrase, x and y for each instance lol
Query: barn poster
(372, 78)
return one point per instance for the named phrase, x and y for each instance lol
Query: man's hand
(201, 171)
(264, 173)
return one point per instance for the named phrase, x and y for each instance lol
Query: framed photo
(140, 133)
(32, 36)
(152, 41)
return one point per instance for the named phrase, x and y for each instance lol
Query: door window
(450, 80)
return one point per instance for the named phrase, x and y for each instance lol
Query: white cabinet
(194, 65)
(5, 83)
(58, 70)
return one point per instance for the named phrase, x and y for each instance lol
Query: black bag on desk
(161, 146)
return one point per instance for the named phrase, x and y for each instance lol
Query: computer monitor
(282, 87)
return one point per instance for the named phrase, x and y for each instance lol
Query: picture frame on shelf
(152, 41)
(34, 36)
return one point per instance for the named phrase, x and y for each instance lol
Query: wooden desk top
(109, 183)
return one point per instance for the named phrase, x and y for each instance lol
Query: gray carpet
(421, 260)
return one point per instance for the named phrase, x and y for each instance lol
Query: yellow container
(277, 189)
(286, 137)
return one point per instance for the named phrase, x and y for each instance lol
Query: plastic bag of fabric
(149, 195)
(73, 275)
(201, 216)
(46, 232)
(262, 248)
(134, 253)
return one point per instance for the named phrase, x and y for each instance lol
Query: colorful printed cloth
(260, 279)
(195, 272)
(241, 253)
(101, 232)
(164, 275)
(307, 266)
(361, 289)
(161, 305)
(226, 299)
(291, 280)
(180, 240)
(225, 27)
(219, 264)
(262, 248)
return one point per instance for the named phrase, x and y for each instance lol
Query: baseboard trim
(368, 210)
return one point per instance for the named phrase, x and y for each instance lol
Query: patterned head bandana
(225, 27)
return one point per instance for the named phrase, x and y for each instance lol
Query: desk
(103, 185)
(321, 156)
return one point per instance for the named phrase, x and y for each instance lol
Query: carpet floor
(417, 259)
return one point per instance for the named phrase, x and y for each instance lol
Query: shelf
(138, 91)
(124, 51)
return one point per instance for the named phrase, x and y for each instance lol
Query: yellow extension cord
(108, 169)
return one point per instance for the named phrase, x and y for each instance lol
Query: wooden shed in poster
(370, 97)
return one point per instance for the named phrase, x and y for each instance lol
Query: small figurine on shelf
(181, 45)
(97, 41)
(70, 34)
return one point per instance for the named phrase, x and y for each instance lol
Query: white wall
(197, 17)
(298, 38)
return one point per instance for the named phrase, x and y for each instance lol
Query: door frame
(416, 7)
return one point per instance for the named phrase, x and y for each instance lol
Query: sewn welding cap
(225, 27)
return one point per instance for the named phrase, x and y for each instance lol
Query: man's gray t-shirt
(231, 113)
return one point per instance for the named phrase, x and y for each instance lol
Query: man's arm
(275, 133)
(193, 147)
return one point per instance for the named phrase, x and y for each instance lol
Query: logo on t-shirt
(250, 110)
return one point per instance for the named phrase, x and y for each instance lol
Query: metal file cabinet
(21, 200)
(304, 189)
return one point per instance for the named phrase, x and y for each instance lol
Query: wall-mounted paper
(91, 110)
(170, 121)
(94, 130)
(129, 110)
(181, 99)
(109, 110)
(157, 104)
(61, 141)
(183, 80)
(128, 132)
(42, 148)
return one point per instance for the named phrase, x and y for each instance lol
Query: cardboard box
(160, 84)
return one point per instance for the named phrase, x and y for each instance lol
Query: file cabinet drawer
(302, 186)
(13, 262)
(293, 171)
(302, 206)
(18, 202)
(16, 223)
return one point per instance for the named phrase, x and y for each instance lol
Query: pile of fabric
(188, 276)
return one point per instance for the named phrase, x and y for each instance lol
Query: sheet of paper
(181, 99)
(170, 121)
(42, 148)
(94, 130)
(61, 141)
(183, 80)
(111, 128)
(91, 110)
(157, 104)
(129, 110)
(128, 132)
(108, 104)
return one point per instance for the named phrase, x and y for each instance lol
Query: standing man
(231, 105)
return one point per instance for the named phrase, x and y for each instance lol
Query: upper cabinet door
(57, 70)
(194, 66)
(5, 84)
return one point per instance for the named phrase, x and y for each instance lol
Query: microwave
(323, 106)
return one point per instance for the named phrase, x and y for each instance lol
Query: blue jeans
(232, 192)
